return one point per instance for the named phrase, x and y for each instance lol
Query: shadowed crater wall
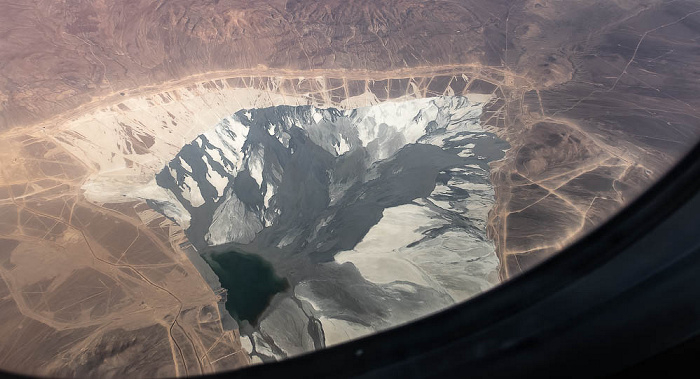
(375, 215)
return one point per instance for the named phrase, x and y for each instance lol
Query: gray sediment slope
(376, 216)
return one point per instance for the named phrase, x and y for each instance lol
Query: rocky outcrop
(392, 198)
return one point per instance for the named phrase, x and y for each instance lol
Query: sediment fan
(623, 297)
(191, 187)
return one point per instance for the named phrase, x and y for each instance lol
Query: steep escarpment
(375, 215)
(125, 145)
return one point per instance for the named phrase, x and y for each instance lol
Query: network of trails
(87, 264)
(102, 285)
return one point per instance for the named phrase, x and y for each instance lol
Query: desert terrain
(596, 99)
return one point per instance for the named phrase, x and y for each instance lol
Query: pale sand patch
(191, 192)
(254, 360)
(104, 139)
(363, 100)
(217, 180)
(105, 191)
(377, 256)
(338, 331)
(478, 98)
(247, 344)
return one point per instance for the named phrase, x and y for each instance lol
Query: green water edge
(249, 280)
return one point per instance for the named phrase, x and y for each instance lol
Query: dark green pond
(250, 283)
